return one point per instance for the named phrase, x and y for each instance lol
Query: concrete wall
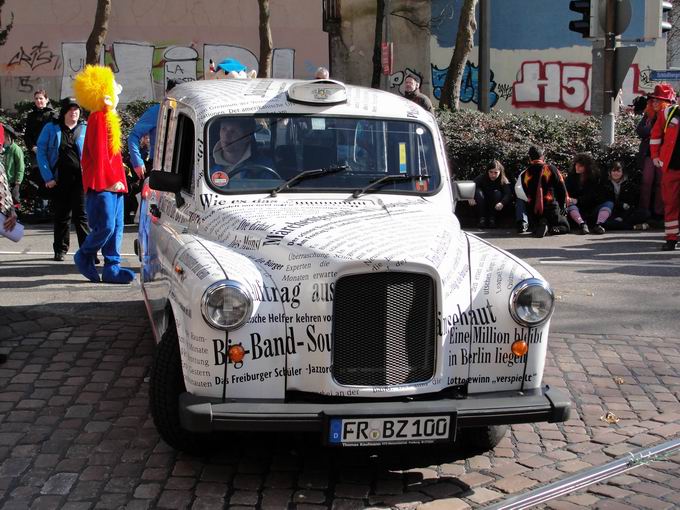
(353, 52)
(150, 41)
(537, 64)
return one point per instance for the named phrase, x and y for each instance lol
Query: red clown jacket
(101, 168)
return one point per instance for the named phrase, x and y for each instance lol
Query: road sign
(665, 75)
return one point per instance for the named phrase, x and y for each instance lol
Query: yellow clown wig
(95, 90)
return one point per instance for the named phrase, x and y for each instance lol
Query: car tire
(481, 439)
(166, 383)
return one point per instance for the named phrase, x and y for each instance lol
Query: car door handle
(154, 211)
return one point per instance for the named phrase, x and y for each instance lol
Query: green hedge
(474, 138)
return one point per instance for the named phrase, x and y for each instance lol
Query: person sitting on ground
(583, 186)
(236, 149)
(492, 194)
(619, 208)
(543, 187)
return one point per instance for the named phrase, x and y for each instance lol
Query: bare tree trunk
(464, 42)
(265, 41)
(4, 32)
(101, 26)
(377, 50)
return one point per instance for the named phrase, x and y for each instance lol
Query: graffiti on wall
(563, 85)
(138, 65)
(37, 56)
(179, 64)
(469, 84)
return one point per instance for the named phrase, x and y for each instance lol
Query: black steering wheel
(253, 167)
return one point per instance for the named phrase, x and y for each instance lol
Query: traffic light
(587, 25)
(657, 18)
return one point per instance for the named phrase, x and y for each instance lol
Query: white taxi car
(303, 269)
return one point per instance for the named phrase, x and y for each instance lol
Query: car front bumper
(199, 414)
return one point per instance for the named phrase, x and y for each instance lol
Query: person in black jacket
(36, 119)
(41, 114)
(583, 187)
(619, 209)
(412, 92)
(492, 194)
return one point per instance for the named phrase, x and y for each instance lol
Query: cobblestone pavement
(75, 433)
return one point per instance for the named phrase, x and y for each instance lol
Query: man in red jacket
(666, 155)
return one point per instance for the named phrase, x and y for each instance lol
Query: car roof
(211, 98)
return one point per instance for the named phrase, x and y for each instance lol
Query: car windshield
(259, 154)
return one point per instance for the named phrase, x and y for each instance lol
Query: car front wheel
(166, 383)
(481, 439)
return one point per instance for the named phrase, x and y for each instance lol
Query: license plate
(380, 431)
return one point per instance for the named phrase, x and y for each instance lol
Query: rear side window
(183, 152)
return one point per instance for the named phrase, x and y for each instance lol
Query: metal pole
(484, 55)
(608, 118)
(387, 39)
(588, 477)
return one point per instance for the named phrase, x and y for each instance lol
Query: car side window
(183, 152)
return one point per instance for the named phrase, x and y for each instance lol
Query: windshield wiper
(316, 172)
(384, 180)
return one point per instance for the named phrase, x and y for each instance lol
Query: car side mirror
(464, 190)
(165, 181)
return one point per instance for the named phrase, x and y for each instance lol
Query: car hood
(275, 232)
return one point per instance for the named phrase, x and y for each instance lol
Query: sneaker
(555, 231)
(492, 223)
(641, 226)
(669, 246)
(598, 229)
(59, 257)
(541, 230)
(584, 229)
(522, 227)
(482, 223)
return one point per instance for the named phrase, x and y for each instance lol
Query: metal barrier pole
(587, 477)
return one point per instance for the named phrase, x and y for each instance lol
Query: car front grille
(383, 329)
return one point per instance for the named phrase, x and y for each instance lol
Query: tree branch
(422, 26)
(94, 43)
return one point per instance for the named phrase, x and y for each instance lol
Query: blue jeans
(521, 211)
(105, 216)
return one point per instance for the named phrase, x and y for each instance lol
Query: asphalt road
(617, 283)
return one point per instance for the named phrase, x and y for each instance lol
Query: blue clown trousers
(105, 217)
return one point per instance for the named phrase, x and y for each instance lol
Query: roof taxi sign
(320, 92)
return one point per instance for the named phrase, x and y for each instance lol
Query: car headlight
(531, 302)
(226, 305)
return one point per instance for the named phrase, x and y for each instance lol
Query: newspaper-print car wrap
(292, 254)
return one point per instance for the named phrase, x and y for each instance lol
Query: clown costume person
(104, 181)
